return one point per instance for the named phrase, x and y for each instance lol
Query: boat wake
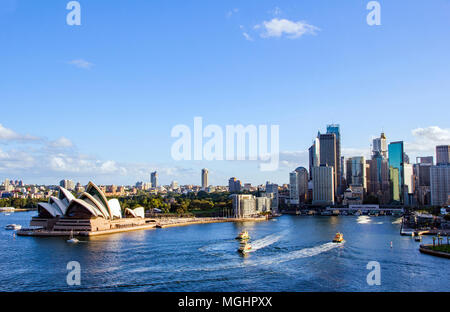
(266, 241)
(302, 253)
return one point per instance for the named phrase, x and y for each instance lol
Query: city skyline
(104, 110)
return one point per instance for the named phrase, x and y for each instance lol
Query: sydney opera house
(90, 212)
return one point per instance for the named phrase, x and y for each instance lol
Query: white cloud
(247, 36)
(10, 135)
(62, 142)
(279, 27)
(80, 63)
(426, 140)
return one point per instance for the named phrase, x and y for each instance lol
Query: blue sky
(98, 101)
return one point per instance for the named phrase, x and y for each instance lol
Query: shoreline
(171, 222)
(427, 250)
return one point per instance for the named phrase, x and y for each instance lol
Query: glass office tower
(396, 171)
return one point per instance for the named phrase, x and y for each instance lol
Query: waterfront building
(91, 211)
(354, 195)
(205, 181)
(328, 155)
(234, 185)
(396, 174)
(323, 185)
(154, 179)
(440, 185)
(263, 204)
(443, 155)
(243, 205)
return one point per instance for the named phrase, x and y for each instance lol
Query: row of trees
(19, 202)
(202, 202)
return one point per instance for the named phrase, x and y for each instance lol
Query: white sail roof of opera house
(135, 213)
(90, 204)
(115, 208)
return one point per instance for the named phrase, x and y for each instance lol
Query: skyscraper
(205, 182)
(440, 185)
(314, 156)
(273, 189)
(323, 189)
(442, 154)
(302, 184)
(356, 171)
(293, 188)
(380, 146)
(335, 128)
(396, 173)
(154, 179)
(328, 155)
(378, 183)
(298, 186)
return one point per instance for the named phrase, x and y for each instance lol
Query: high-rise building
(380, 146)
(205, 178)
(323, 185)
(328, 155)
(422, 176)
(302, 184)
(356, 171)
(293, 188)
(396, 173)
(408, 184)
(314, 155)
(154, 179)
(234, 185)
(335, 129)
(378, 183)
(67, 184)
(442, 154)
(273, 189)
(440, 185)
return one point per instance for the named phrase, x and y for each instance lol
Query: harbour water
(290, 253)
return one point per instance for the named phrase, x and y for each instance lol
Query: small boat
(339, 238)
(14, 227)
(243, 235)
(245, 248)
(418, 238)
(72, 240)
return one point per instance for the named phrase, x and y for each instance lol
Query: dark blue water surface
(291, 253)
